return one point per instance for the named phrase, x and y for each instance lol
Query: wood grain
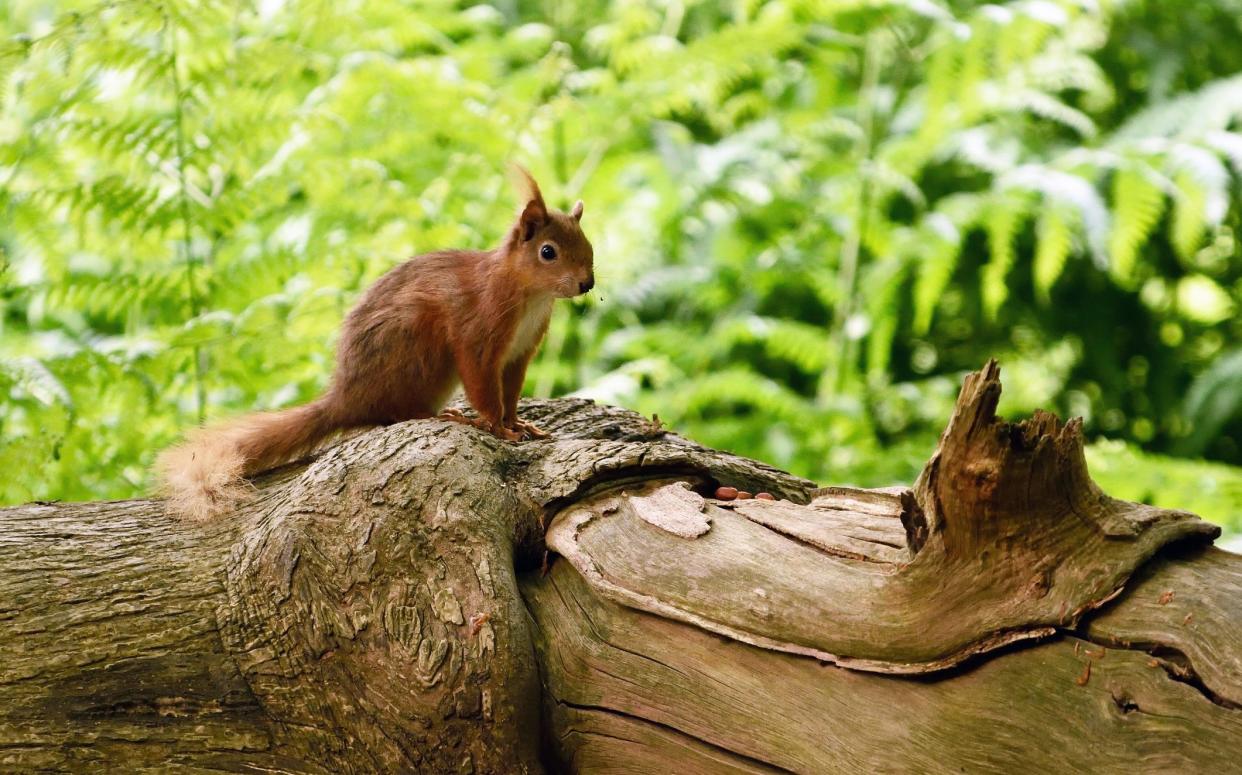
(1003, 538)
(1019, 711)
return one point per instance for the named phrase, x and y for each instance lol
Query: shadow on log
(381, 609)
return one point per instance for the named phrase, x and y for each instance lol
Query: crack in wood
(759, 765)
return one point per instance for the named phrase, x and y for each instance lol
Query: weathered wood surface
(841, 521)
(380, 609)
(625, 686)
(1184, 609)
(1004, 538)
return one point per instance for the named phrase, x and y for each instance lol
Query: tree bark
(382, 608)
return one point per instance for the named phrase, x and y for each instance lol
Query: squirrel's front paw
(529, 430)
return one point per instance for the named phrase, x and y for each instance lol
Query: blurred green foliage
(810, 216)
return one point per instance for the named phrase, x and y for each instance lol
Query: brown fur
(474, 317)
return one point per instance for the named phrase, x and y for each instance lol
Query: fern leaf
(1137, 206)
(1228, 144)
(938, 256)
(1215, 106)
(799, 343)
(1046, 106)
(883, 284)
(1189, 215)
(1211, 175)
(796, 342)
(723, 392)
(1213, 400)
(1072, 191)
(1005, 218)
(1054, 240)
(30, 376)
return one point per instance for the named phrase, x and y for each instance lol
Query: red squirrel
(454, 316)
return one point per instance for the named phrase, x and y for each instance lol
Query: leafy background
(810, 216)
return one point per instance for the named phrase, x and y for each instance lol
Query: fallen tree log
(383, 608)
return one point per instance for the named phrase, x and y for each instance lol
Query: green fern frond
(117, 294)
(1054, 241)
(886, 180)
(736, 389)
(120, 138)
(796, 342)
(937, 251)
(973, 69)
(1204, 194)
(1072, 191)
(1049, 107)
(1227, 144)
(9, 63)
(28, 376)
(1189, 215)
(207, 328)
(1138, 203)
(112, 197)
(1058, 71)
(1212, 401)
(1214, 107)
(941, 83)
(199, 14)
(1005, 217)
(881, 288)
(1019, 36)
(1207, 170)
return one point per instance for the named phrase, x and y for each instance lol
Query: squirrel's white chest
(529, 327)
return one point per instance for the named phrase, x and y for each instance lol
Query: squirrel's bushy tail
(205, 475)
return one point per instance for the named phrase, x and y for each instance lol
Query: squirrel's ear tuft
(534, 211)
(577, 211)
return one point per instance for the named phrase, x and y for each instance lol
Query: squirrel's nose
(588, 285)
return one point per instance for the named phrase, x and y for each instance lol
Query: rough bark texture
(382, 609)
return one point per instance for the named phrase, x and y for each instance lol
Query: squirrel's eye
(547, 253)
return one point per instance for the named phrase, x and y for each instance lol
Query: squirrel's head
(549, 246)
